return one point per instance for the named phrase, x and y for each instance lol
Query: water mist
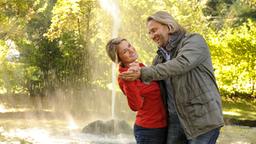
(114, 126)
(112, 8)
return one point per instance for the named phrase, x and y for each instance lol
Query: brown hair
(111, 48)
(166, 19)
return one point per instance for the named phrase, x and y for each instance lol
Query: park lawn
(238, 108)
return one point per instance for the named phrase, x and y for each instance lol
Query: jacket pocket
(202, 112)
(198, 106)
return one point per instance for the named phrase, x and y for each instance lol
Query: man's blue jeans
(150, 135)
(176, 134)
(207, 138)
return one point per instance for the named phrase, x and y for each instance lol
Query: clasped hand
(132, 73)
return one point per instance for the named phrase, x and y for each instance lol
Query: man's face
(126, 53)
(158, 32)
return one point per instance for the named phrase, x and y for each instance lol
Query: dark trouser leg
(207, 138)
(150, 135)
(175, 134)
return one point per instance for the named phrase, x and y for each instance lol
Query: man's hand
(134, 67)
(132, 74)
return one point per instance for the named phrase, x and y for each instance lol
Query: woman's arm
(132, 92)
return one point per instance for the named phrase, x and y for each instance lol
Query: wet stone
(110, 127)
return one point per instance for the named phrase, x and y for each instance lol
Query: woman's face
(126, 53)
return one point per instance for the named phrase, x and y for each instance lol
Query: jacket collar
(174, 40)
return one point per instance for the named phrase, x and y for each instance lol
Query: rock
(110, 127)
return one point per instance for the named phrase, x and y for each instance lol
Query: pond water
(53, 132)
(42, 131)
(27, 125)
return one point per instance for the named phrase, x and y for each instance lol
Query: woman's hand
(132, 73)
(134, 67)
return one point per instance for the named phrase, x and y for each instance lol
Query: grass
(238, 108)
(237, 135)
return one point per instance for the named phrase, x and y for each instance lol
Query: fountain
(114, 11)
(22, 122)
(112, 126)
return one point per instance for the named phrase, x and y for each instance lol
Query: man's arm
(132, 74)
(193, 53)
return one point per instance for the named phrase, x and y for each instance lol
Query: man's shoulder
(193, 37)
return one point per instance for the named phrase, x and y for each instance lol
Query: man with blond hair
(183, 65)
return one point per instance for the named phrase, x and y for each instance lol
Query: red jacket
(146, 100)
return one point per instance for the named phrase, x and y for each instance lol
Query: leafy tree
(13, 17)
(234, 52)
(229, 12)
(62, 42)
(73, 27)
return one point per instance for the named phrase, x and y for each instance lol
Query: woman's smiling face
(126, 53)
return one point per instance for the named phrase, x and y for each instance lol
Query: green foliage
(62, 42)
(229, 12)
(189, 14)
(14, 14)
(234, 52)
(65, 17)
(11, 72)
(3, 53)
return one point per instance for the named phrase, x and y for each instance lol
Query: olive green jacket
(195, 92)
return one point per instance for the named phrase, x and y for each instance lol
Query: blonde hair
(166, 19)
(111, 48)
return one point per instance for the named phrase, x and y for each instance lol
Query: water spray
(112, 8)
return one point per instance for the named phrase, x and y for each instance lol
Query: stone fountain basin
(109, 127)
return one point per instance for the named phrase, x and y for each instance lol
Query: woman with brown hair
(151, 120)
